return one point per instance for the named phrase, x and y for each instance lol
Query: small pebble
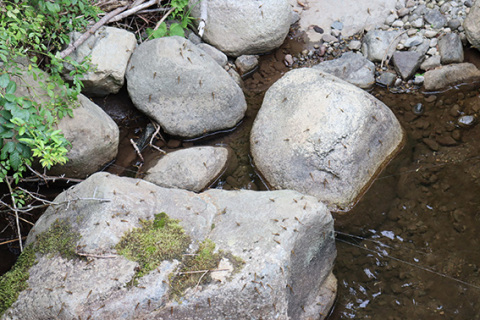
(318, 29)
(466, 121)
(418, 109)
(288, 60)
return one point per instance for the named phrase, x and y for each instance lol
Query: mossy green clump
(155, 241)
(15, 280)
(195, 269)
(58, 239)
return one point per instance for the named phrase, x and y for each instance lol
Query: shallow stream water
(410, 248)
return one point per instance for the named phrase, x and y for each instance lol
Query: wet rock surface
(284, 240)
(450, 75)
(423, 207)
(182, 88)
(322, 136)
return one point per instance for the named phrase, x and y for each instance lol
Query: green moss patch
(155, 241)
(58, 239)
(196, 268)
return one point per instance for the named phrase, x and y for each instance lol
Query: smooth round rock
(193, 169)
(322, 136)
(182, 88)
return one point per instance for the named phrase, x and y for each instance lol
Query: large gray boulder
(191, 169)
(109, 50)
(471, 25)
(182, 88)
(450, 75)
(351, 67)
(322, 136)
(282, 242)
(244, 27)
(93, 135)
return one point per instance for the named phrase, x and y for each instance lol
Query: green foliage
(35, 30)
(58, 239)
(180, 13)
(155, 241)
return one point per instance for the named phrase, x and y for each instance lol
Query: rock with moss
(146, 252)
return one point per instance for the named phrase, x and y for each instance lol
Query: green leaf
(176, 30)
(15, 160)
(159, 33)
(7, 148)
(11, 97)
(4, 80)
(21, 131)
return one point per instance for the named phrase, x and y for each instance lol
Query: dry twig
(73, 46)
(134, 9)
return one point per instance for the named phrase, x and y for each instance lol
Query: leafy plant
(181, 13)
(35, 30)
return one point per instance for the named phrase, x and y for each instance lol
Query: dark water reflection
(410, 248)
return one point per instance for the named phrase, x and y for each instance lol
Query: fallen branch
(73, 46)
(135, 8)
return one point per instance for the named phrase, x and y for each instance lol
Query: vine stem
(15, 209)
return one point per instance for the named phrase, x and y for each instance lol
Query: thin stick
(105, 256)
(203, 271)
(385, 56)
(163, 19)
(133, 10)
(24, 220)
(136, 149)
(73, 46)
(10, 241)
(154, 10)
(7, 180)
(157, 131)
